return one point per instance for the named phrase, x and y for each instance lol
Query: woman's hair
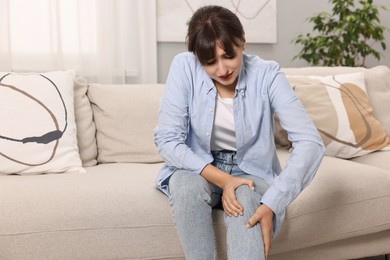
(211, 25)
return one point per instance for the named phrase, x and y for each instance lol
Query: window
(95, 37)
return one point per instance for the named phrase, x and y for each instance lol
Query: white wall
(291, 19)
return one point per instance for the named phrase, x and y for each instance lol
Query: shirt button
(210, 110)
(208, 134)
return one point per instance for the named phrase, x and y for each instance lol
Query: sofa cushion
(86, 130)
(377, 83)
(113, 211)
(341, 110)
(378, 89)
(345, 200)
(380, 159)
(125, 116)
(38, 130)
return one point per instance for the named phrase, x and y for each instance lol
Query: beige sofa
(114, 211)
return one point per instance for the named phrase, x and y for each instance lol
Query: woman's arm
(172, 129)
(308, 148)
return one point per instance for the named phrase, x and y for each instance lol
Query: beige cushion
(111, 212)
(114, 211)
(341, 110)
(86, 129)
(125, 116)
(345, 200)
(380, 159)
(38, 130)
(377, 83)
(378, 89)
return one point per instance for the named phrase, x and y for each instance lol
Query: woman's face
(224, 69)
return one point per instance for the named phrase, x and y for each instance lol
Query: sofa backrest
(115, 122)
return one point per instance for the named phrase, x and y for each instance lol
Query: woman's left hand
(263, 216)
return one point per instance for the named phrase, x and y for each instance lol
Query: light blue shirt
(186, 117)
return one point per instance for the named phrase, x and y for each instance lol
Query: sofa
(106, 206)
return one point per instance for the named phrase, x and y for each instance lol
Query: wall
(291, 18)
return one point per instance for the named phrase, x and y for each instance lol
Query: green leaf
(344, 36)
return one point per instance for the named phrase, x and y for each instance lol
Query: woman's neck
(226, 91)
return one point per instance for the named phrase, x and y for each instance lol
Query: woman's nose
(222, 68)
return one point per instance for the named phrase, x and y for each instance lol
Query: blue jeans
(192, 200)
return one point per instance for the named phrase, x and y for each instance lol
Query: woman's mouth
(226, 77)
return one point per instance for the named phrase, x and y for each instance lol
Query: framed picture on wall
(257, 16)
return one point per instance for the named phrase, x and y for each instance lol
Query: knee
(248, 198)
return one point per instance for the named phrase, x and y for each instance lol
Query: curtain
(106, 41)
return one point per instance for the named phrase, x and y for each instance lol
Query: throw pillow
(341, 111)
(125, 116)
(86, 130)
(378, 90)
(377, 81)
(38, 131)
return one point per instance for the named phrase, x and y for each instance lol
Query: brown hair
(211, 25)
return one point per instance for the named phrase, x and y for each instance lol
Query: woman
(215, 133)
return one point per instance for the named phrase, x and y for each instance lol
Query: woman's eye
(230, 56)
(210, 62)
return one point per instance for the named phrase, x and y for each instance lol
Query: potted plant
(344, 37)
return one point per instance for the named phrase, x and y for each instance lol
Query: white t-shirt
(224, 135)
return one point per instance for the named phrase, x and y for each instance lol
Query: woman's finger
(231, 204)
(251, 184)
(226, 207)
(264, 216)
(266, 229)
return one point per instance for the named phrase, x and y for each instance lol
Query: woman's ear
(243, 41)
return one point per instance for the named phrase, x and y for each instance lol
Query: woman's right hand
(228, 184)
(229, 201)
